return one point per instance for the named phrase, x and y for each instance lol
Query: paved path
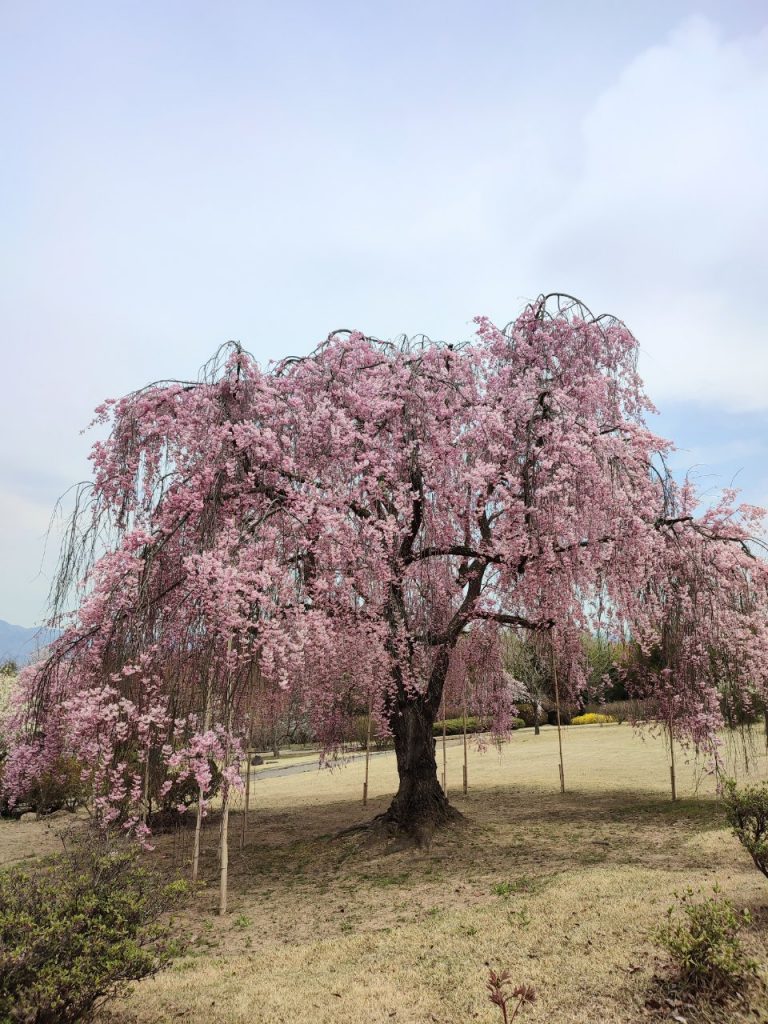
(312, 766)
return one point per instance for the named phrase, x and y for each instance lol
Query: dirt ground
(565, 892)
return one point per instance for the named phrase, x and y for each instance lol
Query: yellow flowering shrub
(593, 719)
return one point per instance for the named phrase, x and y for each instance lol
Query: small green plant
(702, 936)
(520, 917)
(76, 930)
(385, 881)
(522, 884)
(498, 992)
(747, 811)
(241, 921)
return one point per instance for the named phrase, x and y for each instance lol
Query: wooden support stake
(557, 712)
(224, 847)
(248, 756)
(465, 736)
(445, 756)
(367, 758)
(201, 797)
(672, 762)
(145, 794)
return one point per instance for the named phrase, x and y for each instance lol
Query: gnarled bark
(420, 805)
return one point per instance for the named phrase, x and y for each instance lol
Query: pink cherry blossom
(356, 529)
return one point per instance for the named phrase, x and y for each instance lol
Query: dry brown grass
(565, 891)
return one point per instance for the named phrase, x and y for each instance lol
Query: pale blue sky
(177, 174)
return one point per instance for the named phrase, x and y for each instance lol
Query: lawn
(564, 891)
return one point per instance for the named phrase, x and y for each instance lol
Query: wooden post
(275, 732)
(367, 758)
(466, 683)
(248, 755)
(145, 794)
(224, 847)
(445, 756)
(201, 797)
(557, 712)
(672, 761)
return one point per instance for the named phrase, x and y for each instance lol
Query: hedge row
(455, 726)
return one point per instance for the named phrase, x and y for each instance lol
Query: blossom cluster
(357, 529)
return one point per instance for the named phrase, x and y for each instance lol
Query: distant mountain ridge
(23, 644)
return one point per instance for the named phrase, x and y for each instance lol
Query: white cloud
(666, 220)
(24, 557)
(406, 198)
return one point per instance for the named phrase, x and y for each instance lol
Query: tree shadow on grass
(520, 832)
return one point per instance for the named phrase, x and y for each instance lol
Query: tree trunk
(420, 805)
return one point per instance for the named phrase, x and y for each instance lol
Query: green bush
(621, 710)
(747, 811)
(357, 732)
(566, 714)
(455, 726)
(527, 714)
(703, 940)
(57, 787)
(186, 792)
(60, 786)
(76, 930)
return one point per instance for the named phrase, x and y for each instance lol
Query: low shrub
(702, 936)
(358, 733)
(455, 726)
(747, 811)
(621, 710)
(58, 787)
(76, 930)
(184, 792)
(566, 715)
(527, 714)
(591, 718)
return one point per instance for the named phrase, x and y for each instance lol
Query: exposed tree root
(414, 833)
